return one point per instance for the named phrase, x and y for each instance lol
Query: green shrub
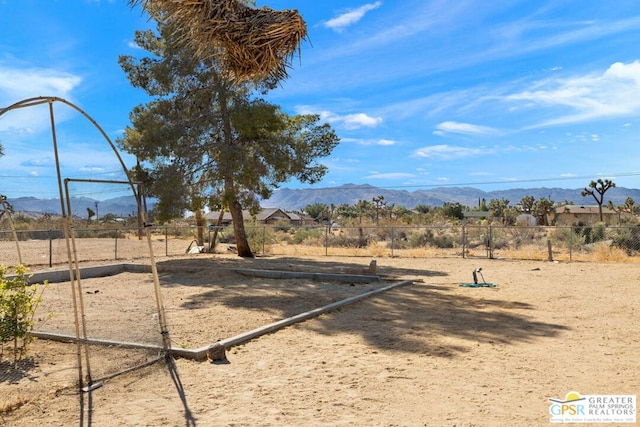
(346, 241)
(304, 234)
(257, 236)
(628, 239)
(18, 304)
(429, 238)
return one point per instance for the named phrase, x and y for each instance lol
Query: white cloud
(355, 121)
(19, 84)
(464, 128)
(390, 175)
(614, 93)
(348, 121)
(449, 152)
(351, 17)
(386, 142)
(361, 141)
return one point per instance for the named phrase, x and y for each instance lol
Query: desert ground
(429, 353)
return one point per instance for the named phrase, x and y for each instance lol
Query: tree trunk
(212, 243)
(230, 194)
(199, 218)
(600, 212)
(242, 244)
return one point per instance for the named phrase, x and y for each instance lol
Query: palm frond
(252, 43)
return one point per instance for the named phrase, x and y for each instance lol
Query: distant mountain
(290, 199)
(119, 206)
(293, 200)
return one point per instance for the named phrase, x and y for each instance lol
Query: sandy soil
(431, 353)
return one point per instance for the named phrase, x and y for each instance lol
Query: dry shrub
(605, 252)
(252, 43)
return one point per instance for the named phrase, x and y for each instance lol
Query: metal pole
(78, 284)
(66, 227)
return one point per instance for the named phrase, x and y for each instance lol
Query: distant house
(580, 214)
(266, 216)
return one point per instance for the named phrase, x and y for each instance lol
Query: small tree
(541, 209)
(453, 210)
(18, 304)
(317, 211)
(526, 204)
(363, 207)
(422, 209)
(378, 203)
(596, 189)
(498, 209)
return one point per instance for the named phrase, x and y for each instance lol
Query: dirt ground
(431, 353)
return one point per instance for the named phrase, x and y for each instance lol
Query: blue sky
(424, 93)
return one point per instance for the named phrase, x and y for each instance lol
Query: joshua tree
(596, 189)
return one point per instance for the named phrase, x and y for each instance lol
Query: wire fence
(46, 248)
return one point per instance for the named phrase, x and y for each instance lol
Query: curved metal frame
(74, 271)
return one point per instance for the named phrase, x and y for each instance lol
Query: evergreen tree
(208, 140)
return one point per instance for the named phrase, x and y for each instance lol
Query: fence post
(464, 239)
(166, 241)
(50, 249)
(326, 241)
(490, 243)
(264, 238)
(392, 240)
(116, 249)
(571, 243)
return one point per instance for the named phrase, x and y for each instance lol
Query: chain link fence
(46, 248)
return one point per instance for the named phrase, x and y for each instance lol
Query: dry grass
(601, 252)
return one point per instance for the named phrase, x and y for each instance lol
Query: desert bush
(259, 236)
(282, 226)
(604, 252)
(18, 304)
(592, 233)
(429, 238)
(347, 241)
(627, 239)
(303, 235)
(568, 237)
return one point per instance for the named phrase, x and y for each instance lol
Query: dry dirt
(431, 353)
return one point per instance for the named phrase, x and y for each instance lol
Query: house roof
(583, 209)
(264, 215)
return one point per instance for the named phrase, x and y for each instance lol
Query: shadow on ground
(432, 319)
(12, 372)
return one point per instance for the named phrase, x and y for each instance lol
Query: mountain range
(289, 199)
(120, 206)
(297, 199)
